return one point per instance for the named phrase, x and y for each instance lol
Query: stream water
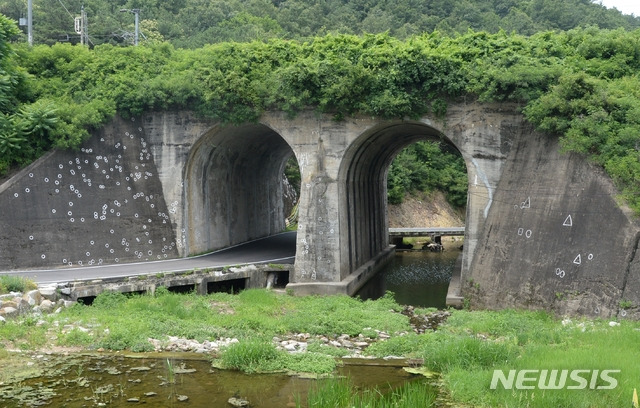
(417, 278)
(117, 380)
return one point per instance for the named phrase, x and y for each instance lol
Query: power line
(65, 9)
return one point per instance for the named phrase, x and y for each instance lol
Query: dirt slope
(424, 210)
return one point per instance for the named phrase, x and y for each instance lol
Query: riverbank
(259, 330)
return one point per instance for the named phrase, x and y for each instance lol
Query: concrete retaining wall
(101, 204)
(555, 238)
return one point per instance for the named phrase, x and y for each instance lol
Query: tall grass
(171, 374)
(471, 345)
(340, 393)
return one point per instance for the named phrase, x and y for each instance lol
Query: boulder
(49, 291)
(10, 303)
(68, 303)
(33, 297)
(23, 305)
(46, 306)
(10, 311)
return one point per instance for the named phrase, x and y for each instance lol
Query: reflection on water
(117, 381)
(418, 278)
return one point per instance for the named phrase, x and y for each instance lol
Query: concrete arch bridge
(543, 229)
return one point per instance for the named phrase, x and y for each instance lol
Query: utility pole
(84, 37)
(136, 34)
(30, 22)
(81, 25)
(136, 13)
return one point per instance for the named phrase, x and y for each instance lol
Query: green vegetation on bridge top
(581, 85)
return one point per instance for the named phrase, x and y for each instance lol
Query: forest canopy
(195, 23)
(580, 85)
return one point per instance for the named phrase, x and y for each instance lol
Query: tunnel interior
(234, 187)
(182, 288)
(364, 187)
(227, 286)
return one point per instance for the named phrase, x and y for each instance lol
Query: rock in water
(238, 402)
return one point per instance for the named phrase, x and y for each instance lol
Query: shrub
(10, 283)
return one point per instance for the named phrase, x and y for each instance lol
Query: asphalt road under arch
(279, 248)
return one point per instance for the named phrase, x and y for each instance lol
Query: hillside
(424, 210)
(194, 23)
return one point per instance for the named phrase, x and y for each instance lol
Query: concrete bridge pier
(324, 257)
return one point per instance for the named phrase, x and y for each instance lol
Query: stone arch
(363, 190)
(233, 187)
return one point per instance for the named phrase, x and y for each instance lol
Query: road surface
(280, 248)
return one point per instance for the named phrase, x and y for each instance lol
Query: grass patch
(598, 347)
(341, 393)
(309, 362)
(316, 346)
(410, 345)
(260, 356)
(75, 337)
(336, 315)
(471, 345)
(276, 266)
(23, 333)
(251, 356)
(10, 283)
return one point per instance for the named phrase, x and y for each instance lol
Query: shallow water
(417, 278)
(117, 381)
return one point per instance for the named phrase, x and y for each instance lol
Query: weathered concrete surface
(223, 184)
(101, 204)
(555, 238)
(201, 281)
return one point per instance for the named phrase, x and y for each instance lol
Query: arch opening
(364, 187)
(235, 187)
